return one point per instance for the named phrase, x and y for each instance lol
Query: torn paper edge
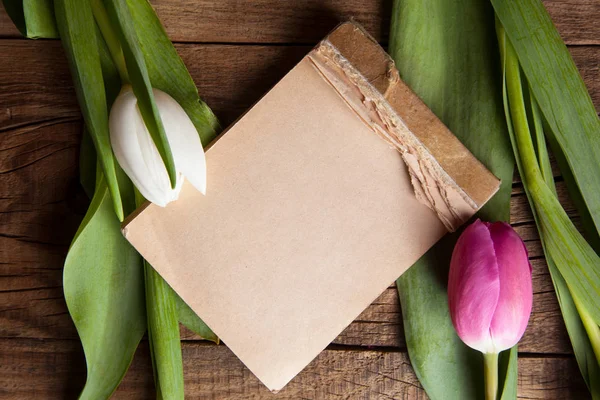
(432, 185)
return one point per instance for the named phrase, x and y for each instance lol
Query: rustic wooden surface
(235, 51)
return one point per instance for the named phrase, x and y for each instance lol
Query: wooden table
(235, 51)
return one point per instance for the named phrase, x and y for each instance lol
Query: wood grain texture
(307, 21)
(230, 78)
(213, 372)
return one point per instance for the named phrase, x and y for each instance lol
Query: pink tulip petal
(473, 286)
(516, 294)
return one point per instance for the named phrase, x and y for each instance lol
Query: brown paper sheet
(310, 211)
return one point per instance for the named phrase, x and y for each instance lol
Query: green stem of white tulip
(111, 39)
(163, 332)
(490, 369)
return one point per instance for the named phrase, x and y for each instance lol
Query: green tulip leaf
(560, 93)
(508, 373)
(110, 73)
(33, 18)
(74, 20)
(163, 333)
(103, 277)
(578, 335)
(445, 366)
(167, 71)
(189, 318)
(582, 347)
(447, 53)
(122, 22)
(572, 255)
(574, 132)
(104, 290)
(87, 153)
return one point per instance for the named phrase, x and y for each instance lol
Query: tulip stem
(111, 39)
(163, 331)
(516, 102)
(490, 369)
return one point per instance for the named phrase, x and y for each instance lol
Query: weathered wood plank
(213, 372)
(306, 21)
(230, 78)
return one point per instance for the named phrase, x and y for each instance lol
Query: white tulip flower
(138, 156)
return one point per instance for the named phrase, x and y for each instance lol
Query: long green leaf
(163, 331)
(577, 320)
(447, 53)
(575, 328)
(103, 301)
(577, 262)
(33, 18)
(446, 368)
(103, 285)
(584, 353)
(560, 92)
(582, 347)
(189, 318)
(167, 71)
(87, 153)
(75, 19)
(110, 73)
(122, 21)
(509, 373)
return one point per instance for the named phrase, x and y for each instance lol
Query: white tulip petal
(135, 151)
(184, 140)
(153, 166)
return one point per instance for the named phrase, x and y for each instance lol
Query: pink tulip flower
(489, 287)
(490, 292)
